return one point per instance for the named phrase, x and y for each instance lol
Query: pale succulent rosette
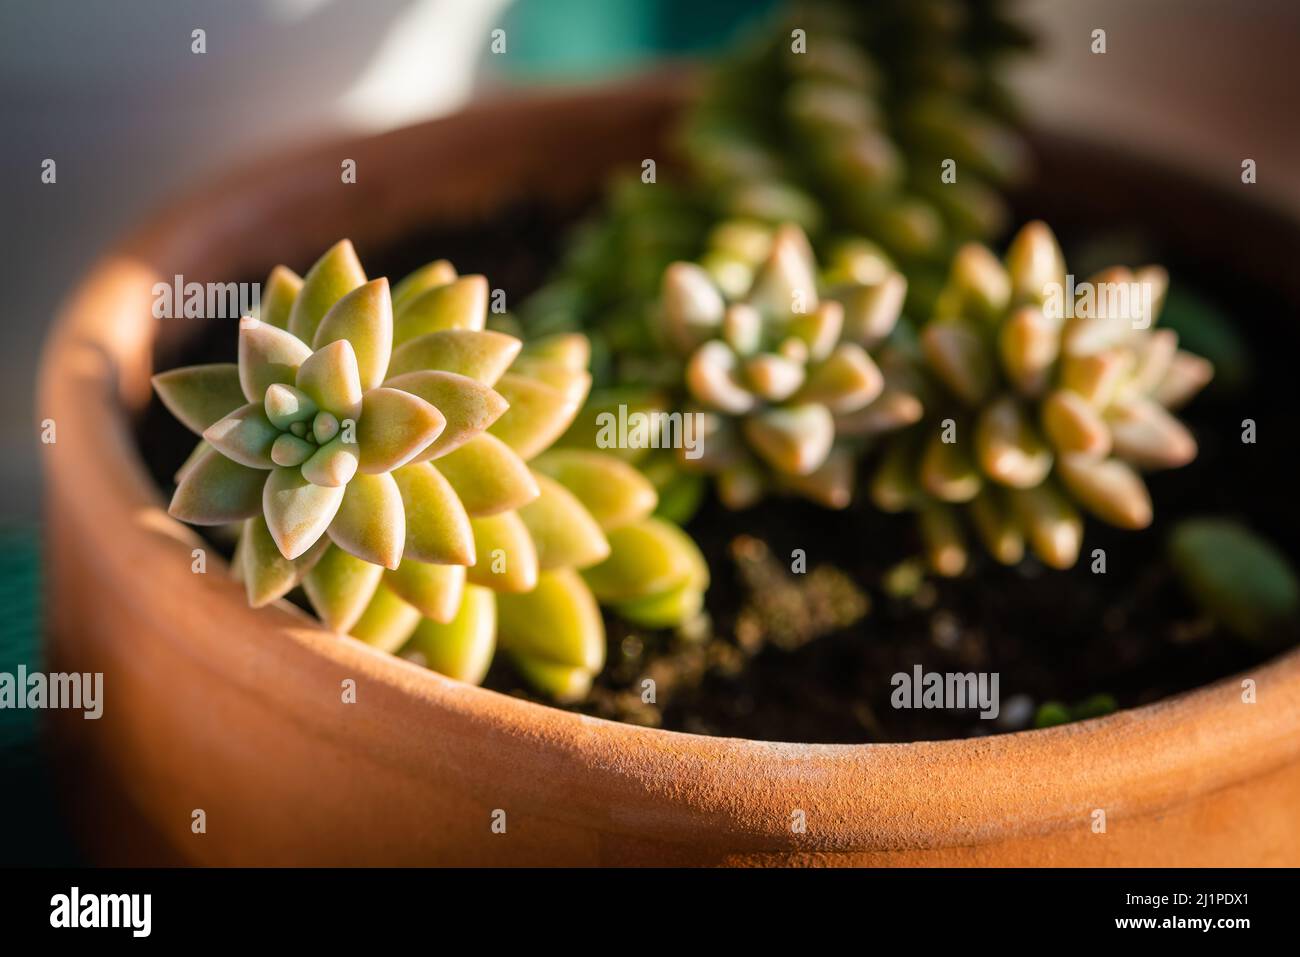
(1048, 396)
(376, 449)
(775, 357)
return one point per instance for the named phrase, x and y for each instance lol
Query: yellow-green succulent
(1046, 396)
(385, 450)
(775, 358)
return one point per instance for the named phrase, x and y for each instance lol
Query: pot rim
(95, 370)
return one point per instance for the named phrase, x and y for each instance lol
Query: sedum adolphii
(383, 450)
(1045, 397)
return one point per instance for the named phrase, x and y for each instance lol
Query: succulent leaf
(564, 533)
(436, 590)
(332, 379)
(468, 406)
(437, 526)
(340, 587)
(536, 416)
(488, 476)
(370, 522)
(331, 278)
(613, 492)
(558, 621)
(461, 648)
(506, 556)
(460, 304)
(387, 622)
(200, 395)
(278, 294)
(217, 491)
(395, 426)
(364, 317)
(297, 512)
(480, 355)
(267, 355)
(245, 436)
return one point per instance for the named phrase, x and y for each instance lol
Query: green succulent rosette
(775, 360)
(394, 469)
(1046, 397)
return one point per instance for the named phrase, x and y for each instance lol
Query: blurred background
(113, 93)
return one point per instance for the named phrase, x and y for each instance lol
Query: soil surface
(810, 657)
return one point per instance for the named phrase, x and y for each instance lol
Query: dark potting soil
(810, 656)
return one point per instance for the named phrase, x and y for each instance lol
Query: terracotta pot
(210, 705)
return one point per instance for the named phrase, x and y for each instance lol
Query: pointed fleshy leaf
(480, 355)
(340, 587)
(558, 621)
(427, 277)
(646, 558)
(437, 526)
(245, 436)
(536, 416)
(506, 559)
(1073, 425)
(1146, 435)
(278, 294)
(288, 451)
(488, 476)
(947, 470)
(773, 377)
(691, 307)
(785, 283)
(997, 526)
(820, 330)
(468, 406)
(370, 522)
(331, 278)
(563, 684)
(333, 465)
(267, 574)
(847, 381)
(742, 328)
(462, 648)
(1051, 523)
(387, 622)
(794, 439)
(1108, 488)
(613, 492)
(190, 460)
(959, 357)
(286, 404)
(1188, 374)
(1096, 377)
(200, 395)
(436, 590)
(573, 384)
(395, 426)
(267, 355)
(1028, 345)
(570, 350)
(945, 545)
(297, 512)
(460, 304)
(1008, 447)
(564, 533)
(871, 312)
(1034, 260)
(713, 376)
(667, 610)
(331, 378)
(830, 485)
(217, 491)
(364, 317)
(894, 486)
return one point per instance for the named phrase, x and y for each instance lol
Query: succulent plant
(385, 469)
(775, 355)
(1044, 396)
(847, 137)
(839, 116)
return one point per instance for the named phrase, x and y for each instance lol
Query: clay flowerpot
(212, 706)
